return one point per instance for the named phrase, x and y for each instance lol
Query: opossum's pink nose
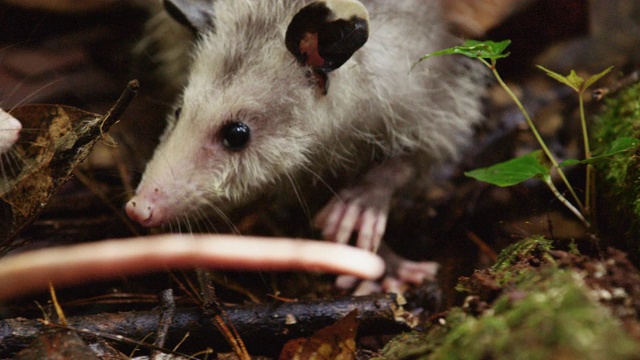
(143, 211)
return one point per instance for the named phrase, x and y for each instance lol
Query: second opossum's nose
(9, 131)
(143, 211)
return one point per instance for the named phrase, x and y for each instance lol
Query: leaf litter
(64, 138)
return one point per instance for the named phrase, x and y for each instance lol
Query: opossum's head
(250, 114)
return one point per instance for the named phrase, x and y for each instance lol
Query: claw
(361, 210)
(401, 274)
(365, 208)
(373, 224)
(348, 223)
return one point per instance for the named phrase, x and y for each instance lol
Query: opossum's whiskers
(193, 217)
(10, 164)
(301, 200)
(224, 218)
(179, 224)
(23, 130)
(6, 170)
(205, 221)
(184, 225)
(188, 224)
(13, 157)
(321, 180)
(9, 47)
(4, 177)
(33, 93)
(175, 225)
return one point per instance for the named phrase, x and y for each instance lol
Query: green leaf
(513, 171)
(596, 77)
(474, 49)
(573, 80)
(618, 146)
(485, 49)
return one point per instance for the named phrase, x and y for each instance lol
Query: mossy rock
(618, 180)
(544, 309)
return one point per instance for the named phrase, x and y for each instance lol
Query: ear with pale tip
(326, 33)
(197, 15)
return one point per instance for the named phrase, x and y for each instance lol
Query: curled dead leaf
(44, 159)
(334, 342)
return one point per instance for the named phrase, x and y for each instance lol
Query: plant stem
(563, 200)
(538, 137)
(587, 156)
(585, 134)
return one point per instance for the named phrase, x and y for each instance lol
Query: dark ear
(195, 14)
(326, 33)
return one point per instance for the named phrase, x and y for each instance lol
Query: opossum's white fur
(9, 130)
(167, 45)
(375, 108)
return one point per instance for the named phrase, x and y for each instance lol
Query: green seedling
(538, 164)
(580, 86)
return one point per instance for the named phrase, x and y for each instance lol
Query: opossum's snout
(9, 131)
(143, 209)
(186, 176)
(155, 204)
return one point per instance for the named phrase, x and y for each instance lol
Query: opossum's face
(248, 116)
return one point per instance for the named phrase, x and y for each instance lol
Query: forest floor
(83, 59)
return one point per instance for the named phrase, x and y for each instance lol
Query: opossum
(285, 92)
(9, 131)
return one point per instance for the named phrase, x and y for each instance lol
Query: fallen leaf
(64, 138)
(61, 344)
(334, 342)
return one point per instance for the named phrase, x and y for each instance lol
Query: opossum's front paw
(411, 272)
(363, 209)
(401, 275)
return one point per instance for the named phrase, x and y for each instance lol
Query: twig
(168, 304)
(113, 115)
(264, 327)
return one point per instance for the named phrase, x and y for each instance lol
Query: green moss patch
(535, 303)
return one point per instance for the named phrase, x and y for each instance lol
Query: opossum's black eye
(177, 113)
(235, 136)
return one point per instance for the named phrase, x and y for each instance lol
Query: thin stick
(565, 202)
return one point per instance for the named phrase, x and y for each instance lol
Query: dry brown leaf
(47, 157)
(334, 342)
(60, 344)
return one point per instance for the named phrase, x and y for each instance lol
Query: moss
(555, 319)
(419, 345)
(543, 311)
(619, 176)
(533, 248)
